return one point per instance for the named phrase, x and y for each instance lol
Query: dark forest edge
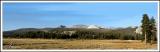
(74, 33)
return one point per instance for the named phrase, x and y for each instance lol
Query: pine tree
(145, 28)
(153, 29)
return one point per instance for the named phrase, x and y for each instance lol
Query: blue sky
(41, 15)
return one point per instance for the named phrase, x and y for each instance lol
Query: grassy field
(12, 43)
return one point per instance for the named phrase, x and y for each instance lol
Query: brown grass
(12, 43)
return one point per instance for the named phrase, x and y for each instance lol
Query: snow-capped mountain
(79, 26)
(87, 26)
(93, 27)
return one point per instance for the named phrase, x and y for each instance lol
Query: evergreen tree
(153, 29)
(145, 28)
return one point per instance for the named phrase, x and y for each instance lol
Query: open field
(12, 43)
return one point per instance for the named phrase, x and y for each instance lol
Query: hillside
(73, 33)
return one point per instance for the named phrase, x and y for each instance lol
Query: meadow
(28, 43)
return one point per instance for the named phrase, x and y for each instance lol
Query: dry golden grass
(11, 43)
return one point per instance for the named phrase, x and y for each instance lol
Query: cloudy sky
(41, 15)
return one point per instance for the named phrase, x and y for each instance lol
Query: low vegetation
(11, 43)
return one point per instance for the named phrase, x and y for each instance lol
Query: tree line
(58, 33)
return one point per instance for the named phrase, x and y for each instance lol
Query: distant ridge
(87, 26)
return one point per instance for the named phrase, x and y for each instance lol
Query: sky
(42, 15)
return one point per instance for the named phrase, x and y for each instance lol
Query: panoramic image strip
(78, 25)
